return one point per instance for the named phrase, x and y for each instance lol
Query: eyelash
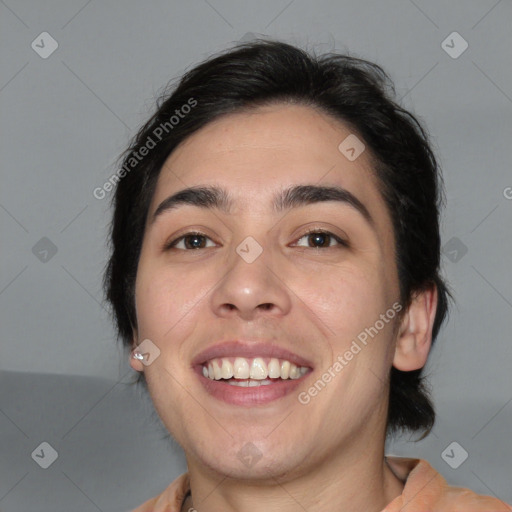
(172, 244)
(314, 231)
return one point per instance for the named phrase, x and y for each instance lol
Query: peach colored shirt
(425, 490)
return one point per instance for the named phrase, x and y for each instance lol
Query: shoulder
(426, 489)
(170, 499)
(457, 499)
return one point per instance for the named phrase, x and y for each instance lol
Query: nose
(251, 290)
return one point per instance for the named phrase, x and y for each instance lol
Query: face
(294, 298)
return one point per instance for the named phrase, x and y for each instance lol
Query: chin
(253, 461)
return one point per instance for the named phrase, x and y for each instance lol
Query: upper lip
(248, 349)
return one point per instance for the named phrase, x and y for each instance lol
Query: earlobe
(415, 333)
(135, 362)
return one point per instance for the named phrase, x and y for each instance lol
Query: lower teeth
(249, 383)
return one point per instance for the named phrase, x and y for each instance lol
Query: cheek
(164, 296)
(346, 300)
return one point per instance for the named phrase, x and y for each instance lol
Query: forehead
(254, 154)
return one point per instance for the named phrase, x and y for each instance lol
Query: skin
(312, 301)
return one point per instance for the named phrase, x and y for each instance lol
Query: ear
(136, 364)
(415, 332)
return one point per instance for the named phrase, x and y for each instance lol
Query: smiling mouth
(252, 372)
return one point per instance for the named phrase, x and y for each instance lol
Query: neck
(358, 479)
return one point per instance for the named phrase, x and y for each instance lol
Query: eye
(192, 240)
(321, 239)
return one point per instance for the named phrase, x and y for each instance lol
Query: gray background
(66, 118)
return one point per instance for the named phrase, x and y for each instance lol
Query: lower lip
(237, 395)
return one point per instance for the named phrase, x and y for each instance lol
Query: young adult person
(275, 275)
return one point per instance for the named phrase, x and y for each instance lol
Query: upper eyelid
(309, 231)
(169, 243)
(338, 238)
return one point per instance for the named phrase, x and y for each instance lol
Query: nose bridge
(251, 283)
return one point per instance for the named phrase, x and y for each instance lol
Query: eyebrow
(292, 197)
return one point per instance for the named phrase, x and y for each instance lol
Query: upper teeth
(257, 369)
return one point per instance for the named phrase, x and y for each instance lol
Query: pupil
(320, 237)
(194, 239)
